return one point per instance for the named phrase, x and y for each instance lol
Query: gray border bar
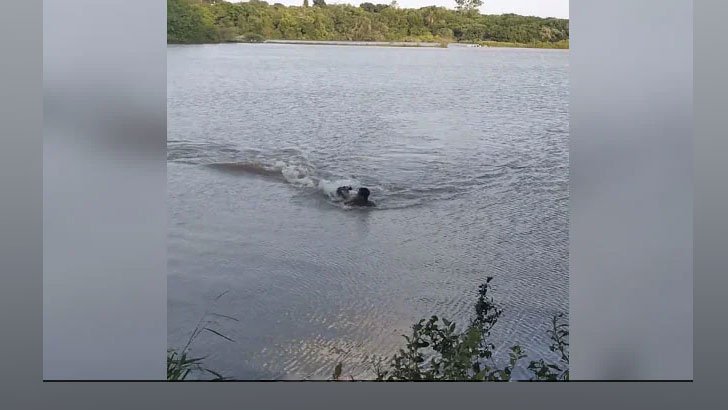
(631, 186)
(21, 179)
(711, 193)
(104, 190)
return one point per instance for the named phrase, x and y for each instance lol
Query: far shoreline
(564, 45)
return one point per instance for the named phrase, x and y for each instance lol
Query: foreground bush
(436, 351)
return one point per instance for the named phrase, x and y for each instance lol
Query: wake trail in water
(294, 167)
(302, 175)
(290, 166)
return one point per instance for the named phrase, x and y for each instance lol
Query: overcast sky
(541, 8)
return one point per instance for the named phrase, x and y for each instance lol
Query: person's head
(364, 193)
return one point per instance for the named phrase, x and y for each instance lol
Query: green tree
(190, 21)
(370, 7)
(468, 5)
(210, 21)
(305, 3)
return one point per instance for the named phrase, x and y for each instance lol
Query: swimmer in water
(361, 198)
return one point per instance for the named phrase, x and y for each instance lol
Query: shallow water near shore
(466, 154)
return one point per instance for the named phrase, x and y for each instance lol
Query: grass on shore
(181, 364)
(424, 44)
(562, 45)
(408, 42)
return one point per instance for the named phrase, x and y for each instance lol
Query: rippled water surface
(465, 151)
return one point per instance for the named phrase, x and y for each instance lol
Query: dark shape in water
(361, 198)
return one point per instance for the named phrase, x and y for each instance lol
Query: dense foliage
(210, 21)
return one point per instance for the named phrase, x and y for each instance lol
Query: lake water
(465, 151)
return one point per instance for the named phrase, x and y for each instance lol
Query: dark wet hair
(364, 192)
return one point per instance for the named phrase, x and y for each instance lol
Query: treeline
(213, 21)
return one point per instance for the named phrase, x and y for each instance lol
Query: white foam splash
(329, 187)
(297, 174)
